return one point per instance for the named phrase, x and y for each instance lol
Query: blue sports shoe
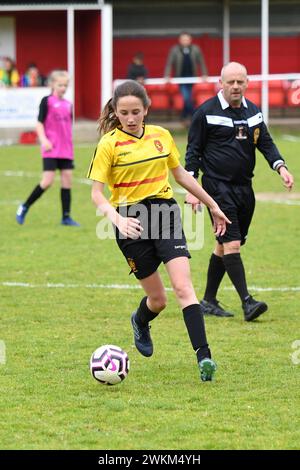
(207, 369)
(142, 338)
(69, 221)
(21, 213)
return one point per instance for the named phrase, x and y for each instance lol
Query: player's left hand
(195, 203)
(220, 220)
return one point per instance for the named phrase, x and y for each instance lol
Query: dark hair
(108, 119)
(139, 55)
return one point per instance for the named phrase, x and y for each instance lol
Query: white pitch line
(10, 203)
(50, 285)
(31, 174)
(268, 289)
(86, 181)
(291, 138)
(287, 202)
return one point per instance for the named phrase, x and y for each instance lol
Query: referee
(223, 137)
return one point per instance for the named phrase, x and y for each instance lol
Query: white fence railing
(19, 106)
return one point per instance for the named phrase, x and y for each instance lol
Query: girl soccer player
(134, 159)
(54, 129)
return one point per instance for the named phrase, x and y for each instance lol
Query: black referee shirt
(222, 141)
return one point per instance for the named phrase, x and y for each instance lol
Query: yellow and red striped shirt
(135, 168)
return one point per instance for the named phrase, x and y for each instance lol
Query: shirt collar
(225, 104)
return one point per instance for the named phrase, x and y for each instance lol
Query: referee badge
(256, 135)
(158, 145)
(241, 132)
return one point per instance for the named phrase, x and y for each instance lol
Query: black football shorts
(237, 202)
(162, 239)
(52, 164)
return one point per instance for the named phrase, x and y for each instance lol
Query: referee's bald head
(233, 67)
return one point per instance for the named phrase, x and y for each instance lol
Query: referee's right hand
(195, 203)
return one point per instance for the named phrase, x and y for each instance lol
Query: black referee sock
(36, 193)
(144, 314)
(235, 269)
(215, 274)
(194, 323)
(65, 194)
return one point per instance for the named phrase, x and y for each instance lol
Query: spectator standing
(184, 59)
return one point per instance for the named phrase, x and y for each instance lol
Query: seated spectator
(136, 69)
(32, 77)
(9, 76)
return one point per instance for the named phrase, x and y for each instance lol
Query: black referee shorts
(237, 202)
(52, 164)
(162, 239)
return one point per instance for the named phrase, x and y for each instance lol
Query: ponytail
(107, 120)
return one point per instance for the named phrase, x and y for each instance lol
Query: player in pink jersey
(54, 129)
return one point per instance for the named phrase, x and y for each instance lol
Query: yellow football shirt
(135, 168)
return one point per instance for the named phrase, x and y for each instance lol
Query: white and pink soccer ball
(109, 364)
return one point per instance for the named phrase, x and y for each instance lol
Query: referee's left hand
(287, 178)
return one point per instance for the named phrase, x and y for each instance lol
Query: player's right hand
(130, 227)
(47, 145)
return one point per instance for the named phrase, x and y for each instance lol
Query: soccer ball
(109, 364)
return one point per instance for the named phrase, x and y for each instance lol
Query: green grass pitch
(55, 311)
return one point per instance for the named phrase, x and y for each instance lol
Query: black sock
(65, 194)
(36, 193)
(144, 314)
(235, 269)
(215, 273)
(194, 323)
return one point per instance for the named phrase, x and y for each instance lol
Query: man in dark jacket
(184, 59)
(223, 137)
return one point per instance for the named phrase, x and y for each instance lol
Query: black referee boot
(253, 308)
(214, 308)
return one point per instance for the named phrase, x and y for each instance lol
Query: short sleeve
(43, 110)
(174, 157)
(100, 166)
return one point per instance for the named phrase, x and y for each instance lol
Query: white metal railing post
(226, 32)
(265, 58)
(71, 54)
(106, 53)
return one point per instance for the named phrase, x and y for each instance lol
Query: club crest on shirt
(158, 145)
(256, 135)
